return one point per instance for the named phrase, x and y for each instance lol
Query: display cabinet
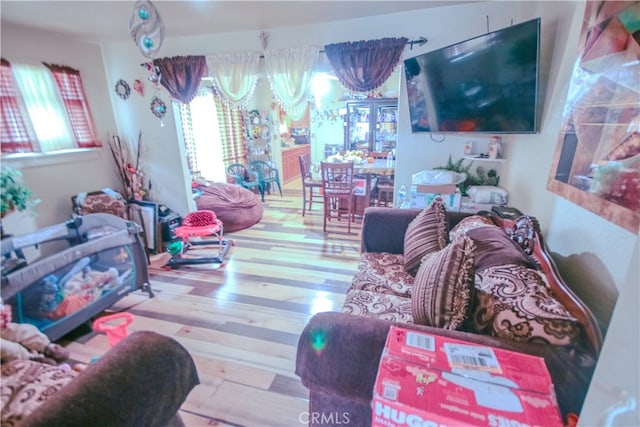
(371, 125)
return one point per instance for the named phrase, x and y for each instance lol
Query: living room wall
(55, 180)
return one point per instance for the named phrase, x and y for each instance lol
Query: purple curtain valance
(365, 65)
(181, 75)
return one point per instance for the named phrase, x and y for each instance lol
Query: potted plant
(482, 176)
(15, 195)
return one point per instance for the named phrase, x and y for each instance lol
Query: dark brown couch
(339, 353)
(142, 381)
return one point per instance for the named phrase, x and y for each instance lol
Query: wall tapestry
(597, 159)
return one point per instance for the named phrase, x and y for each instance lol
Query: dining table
(365, 172)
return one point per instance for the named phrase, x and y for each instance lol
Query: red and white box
(430, 380)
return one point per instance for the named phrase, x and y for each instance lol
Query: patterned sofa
(482, 278)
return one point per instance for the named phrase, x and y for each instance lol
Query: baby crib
(87, 265)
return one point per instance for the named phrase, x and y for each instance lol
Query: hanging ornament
(158, 108)
(154, 73)
(264, 39)
(122, 89)
(146, 28)
(138, 86)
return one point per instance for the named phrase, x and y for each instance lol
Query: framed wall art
(597, 160)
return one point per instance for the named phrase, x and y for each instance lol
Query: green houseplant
(481, 177)
(15, 195)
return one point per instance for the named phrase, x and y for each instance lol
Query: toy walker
(196, 225)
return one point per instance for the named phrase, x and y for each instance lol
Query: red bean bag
(237, 207)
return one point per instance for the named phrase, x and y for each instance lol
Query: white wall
(55, 182)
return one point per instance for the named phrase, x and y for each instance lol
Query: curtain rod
(421, 41)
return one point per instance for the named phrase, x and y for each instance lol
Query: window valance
(181, 75)
(365, 65)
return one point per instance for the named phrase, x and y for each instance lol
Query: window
(44, 109)
(213, 135)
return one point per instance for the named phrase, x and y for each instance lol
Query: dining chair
(337, 189)
(383, 192)
(246, 178)
(308, 182)
(268, 174)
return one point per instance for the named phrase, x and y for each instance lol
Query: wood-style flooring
(241, 322)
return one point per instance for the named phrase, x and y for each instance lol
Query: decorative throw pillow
(494, 247)
(470, 223)
(515, 302)
(427, 233)
(443, 285)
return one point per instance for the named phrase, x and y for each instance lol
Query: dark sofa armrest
(339, 354)
(383, 229)
(141, 381)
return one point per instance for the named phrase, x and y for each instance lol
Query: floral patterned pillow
(515, 302)
(470, 223)
(26, 385)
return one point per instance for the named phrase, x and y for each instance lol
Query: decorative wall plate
(158, 107)
(122, 89)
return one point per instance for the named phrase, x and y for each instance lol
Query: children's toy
(196, 225)
(116, 332)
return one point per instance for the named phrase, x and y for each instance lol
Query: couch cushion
(425, 234)
(494, 247)
(470, 223)
(383, 273)
(515, 302)
(381, 306)
(26, 385)
(443, 284)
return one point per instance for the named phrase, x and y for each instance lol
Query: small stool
(385, 195)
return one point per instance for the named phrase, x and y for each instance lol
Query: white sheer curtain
(234, 75)
(201, 133)
(45, 107)
(290, 74)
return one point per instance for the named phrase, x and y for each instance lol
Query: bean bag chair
(237, 207)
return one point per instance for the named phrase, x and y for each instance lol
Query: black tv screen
(485, 84)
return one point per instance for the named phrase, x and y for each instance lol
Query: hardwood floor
(241, 322)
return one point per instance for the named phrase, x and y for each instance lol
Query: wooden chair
(267, 174)
(384, 192)
(246, 178)
(307, 183)
(337, 188)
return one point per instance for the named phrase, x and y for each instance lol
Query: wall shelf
(484, 159)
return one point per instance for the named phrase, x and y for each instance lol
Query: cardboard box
(421, 200)
(430, 189)
(430, 380)
(467, 205)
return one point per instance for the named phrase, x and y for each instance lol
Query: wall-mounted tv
(485, 84)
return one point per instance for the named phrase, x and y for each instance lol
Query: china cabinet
(371, 124)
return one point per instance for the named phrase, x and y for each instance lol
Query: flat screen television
(485, 84)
